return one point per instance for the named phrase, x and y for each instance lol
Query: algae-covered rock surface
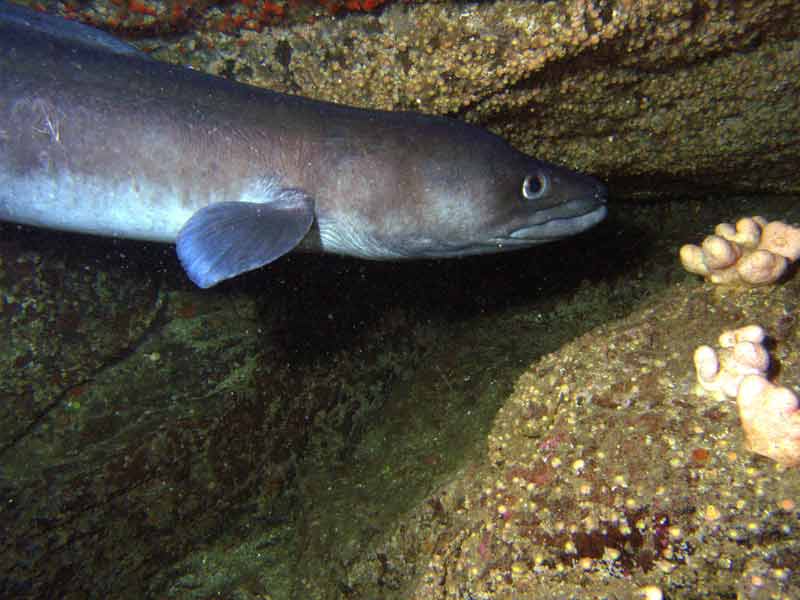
(329, 428)
(124, 409)
(607, 471)
(163, 441)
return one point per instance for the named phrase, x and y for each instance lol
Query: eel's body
(98, 138)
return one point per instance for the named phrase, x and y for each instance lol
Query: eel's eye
(535, 186)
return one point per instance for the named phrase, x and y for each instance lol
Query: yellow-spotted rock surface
(607, 472)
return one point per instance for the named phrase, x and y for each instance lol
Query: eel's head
(549, 203)
(447, 189)
(507, 200)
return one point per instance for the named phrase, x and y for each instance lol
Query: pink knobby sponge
(752, 253)
(742, 354)
(770, 419)
(782, 239)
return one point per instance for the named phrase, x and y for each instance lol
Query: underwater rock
(605, 471)
(134, 414)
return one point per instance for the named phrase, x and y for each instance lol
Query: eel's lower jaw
(555, 229)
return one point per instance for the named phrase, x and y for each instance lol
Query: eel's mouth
(551, 225)
(555, 228)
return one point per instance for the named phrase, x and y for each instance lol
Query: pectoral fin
(226, 239)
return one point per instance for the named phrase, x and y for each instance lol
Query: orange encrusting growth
(137, 17)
